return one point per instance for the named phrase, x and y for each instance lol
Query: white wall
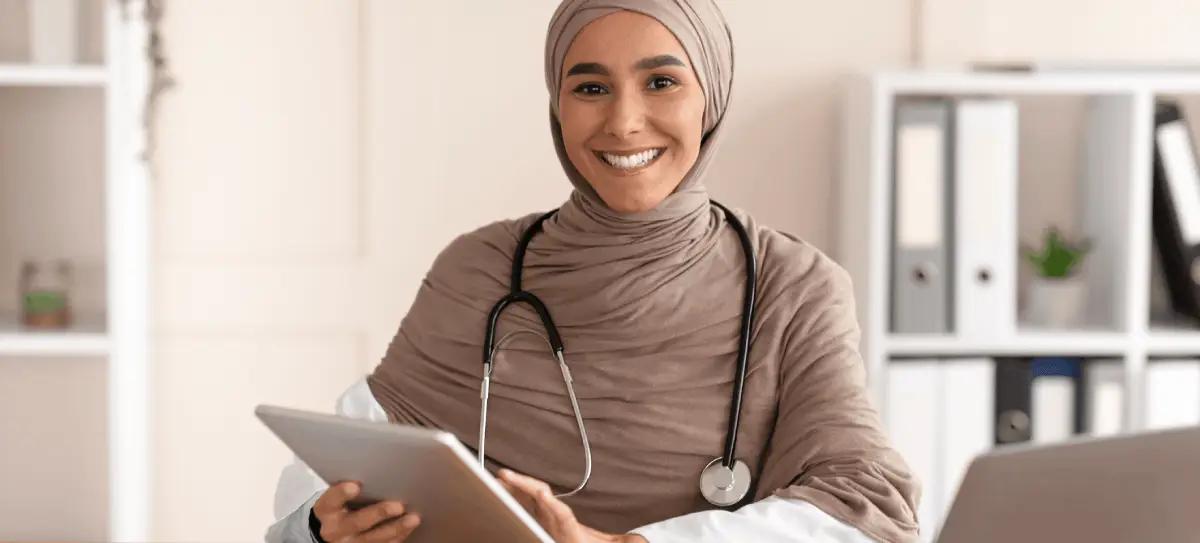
(316, 156)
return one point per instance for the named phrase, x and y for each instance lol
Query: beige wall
(259, 250)
(317, 155)
(957, 31)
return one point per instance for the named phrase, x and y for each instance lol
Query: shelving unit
(104, 172)
(13, 75)
(1114, 184)
(87, 337)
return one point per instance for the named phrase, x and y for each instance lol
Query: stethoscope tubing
(518, 295)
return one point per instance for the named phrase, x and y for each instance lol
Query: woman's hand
(555, 516)
(378, 522)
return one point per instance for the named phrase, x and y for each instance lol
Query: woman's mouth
(627, 163)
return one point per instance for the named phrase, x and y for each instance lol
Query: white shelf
(86, 337)
(30, 75)
(1173, 340)
(1025, 343)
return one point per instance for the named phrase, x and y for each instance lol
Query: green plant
(1058, 258)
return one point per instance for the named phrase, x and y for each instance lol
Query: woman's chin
(630, 204)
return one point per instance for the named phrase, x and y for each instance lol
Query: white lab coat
(771, 520)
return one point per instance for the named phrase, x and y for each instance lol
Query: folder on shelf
(1013, 416)
(1177, 208)
(939, 417)
(1104, 391)
(920, 296)
(1056, 399)
(1172, 393)
(968, 385)
(985, 217)
(911, 416)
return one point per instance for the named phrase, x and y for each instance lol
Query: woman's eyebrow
(648, 63)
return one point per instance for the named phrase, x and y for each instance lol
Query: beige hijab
(648, 305)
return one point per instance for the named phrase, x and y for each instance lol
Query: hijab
(648, 305)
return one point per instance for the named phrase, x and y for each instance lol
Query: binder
(1172, 393)
(1177, 208)
(920, 274)
(985, 217)
(1057, 399)
(1104, 390)
(938, 416)
(967, 385)
(1013, 398)
(911, 417)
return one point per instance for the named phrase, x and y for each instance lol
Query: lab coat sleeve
(299, 487)
(771, 520)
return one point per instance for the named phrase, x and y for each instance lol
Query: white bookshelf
(13, 75)
(117, 336)
(1115, 181)
(87, 336)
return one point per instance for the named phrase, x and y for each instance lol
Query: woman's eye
(585, 89)
(669, 83)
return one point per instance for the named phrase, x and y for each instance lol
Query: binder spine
(921, 268)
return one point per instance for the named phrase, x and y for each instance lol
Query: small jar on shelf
(45, 294)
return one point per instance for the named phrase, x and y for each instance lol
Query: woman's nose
(626, 115)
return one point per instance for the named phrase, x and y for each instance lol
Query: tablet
(427, 469)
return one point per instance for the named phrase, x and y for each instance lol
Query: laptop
(1141, 487)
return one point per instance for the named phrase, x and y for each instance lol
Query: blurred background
(210, 204)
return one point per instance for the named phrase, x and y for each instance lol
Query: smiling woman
(653, 288)
(632, 129)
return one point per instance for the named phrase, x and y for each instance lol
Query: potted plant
(1057, 292)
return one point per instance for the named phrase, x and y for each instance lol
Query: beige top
(651, 337)
(649, 307)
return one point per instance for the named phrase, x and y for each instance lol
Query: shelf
(86, 337)
(1173, 340)
(32, 75)
(1024, 343)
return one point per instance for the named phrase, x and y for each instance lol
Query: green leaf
(40, 302)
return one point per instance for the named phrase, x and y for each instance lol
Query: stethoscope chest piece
(723, 486)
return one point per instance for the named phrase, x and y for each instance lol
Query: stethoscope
(724, 481)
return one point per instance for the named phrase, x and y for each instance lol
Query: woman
(644, 277)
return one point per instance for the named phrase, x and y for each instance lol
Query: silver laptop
(1131, 488)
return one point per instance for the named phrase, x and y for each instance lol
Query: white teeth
(632, 161)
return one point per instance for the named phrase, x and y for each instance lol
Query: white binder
(1053, 408)
(985, 217)
(912, 419)
(939, 416)
(967, 415)
(1104, 380)
(1172, 393)
(920, 296)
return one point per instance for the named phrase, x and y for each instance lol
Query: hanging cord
(567, 380)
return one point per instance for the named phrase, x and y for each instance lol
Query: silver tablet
(428, 470)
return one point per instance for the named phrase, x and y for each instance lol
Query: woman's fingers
(397, 529)
(334, 499)
(366, 518)
(524, 498)
(340, 524)
(550, 510)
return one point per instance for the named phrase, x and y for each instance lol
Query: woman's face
(631, 110)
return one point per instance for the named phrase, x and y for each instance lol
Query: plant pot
(1055, 302)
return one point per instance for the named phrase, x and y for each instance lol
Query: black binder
(1172, 208)
(1014, 390)
(1014, 395)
